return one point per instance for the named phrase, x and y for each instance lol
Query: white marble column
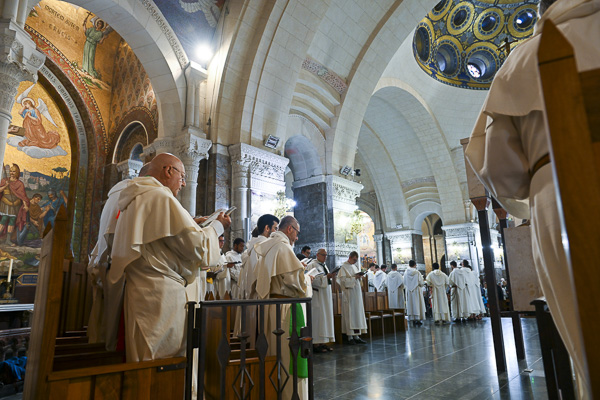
(379, 242)
(19, 61)
(129, 169)
(191, 148)
(404, 240)
(463, 238)
(257, 176)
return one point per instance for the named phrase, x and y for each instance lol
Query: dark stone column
(315, 219)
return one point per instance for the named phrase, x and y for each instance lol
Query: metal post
(482, 204)
(516, 319)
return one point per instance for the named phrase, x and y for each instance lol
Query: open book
(214, 216)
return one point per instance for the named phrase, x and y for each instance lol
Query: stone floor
(433, 362)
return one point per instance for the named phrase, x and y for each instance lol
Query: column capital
(343, 192)
(188, 146)
(129, 168)
(266, 170)
(378, 238)
(460, 230)
(403, 237)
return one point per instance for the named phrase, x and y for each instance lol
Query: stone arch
(152, 40)
(133, 134)
(304, 160)
(430, 134)
(365, 75)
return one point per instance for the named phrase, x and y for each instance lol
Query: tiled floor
(433, 362)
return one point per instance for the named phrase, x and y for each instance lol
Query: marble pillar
(129, 169)
(379, 243)
(463, 242)
(407, 245)
(191, 147)
(325, 206)
(19, 61)
(256, 177)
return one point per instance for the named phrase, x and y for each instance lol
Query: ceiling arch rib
(387, 183)
(432, 140)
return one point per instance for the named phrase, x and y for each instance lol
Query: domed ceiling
(464, 43)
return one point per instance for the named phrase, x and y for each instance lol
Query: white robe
(353, 309)
(221, 282)
(107, 300)
(371, 280)
(395, 284)
(322, 306)
(233, 256)
(415, 303)
(438, 281)
(513, 124)
(461, 304)
(280, 272)
(380, 281)
(157, 256)
(477, 306)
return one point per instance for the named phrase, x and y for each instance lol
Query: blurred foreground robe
(510, 137)
(280, 274)
(107, 299)
(159, 249)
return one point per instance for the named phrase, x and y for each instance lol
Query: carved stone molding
(158, 16)
(261, 170)
(401, 239)
(129, 169)
(187, 146)
(343, 192)
(19, 61)
(378, 238)
(329, 77)
(459, 231)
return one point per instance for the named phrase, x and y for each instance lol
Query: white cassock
(158, 256)
(512, 123)
(371, 280)
(322, 306)
(439, 301)
(353, 309)
(395, 284)
(415, 303)
(233, 256)
(461, 304)
(280, 273)
(103, 326)
(380, 280)
(221, 282)
(475, 293)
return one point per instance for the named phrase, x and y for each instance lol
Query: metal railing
(243, 384)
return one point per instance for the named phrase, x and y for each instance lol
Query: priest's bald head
(168, 170)
(290, 227)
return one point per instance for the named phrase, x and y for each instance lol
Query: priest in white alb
(220, 274)
(380, 280)
(280, 275)
(322, 303)
(354, 322)
(438, 281)
(159, 248)
(234, 263)
(415, 303)
(395, 284)
(461, 307)
(474, 285)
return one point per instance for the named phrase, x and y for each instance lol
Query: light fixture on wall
(272, 142)
(345, 170)
(357, 172)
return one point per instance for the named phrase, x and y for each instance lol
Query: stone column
(379, 242)
(463, 240)
(257, 177)
(191, 147)
(19, 61)
(407, 245)
(129, 169)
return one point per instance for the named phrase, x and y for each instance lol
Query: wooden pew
(153, 379)
(573, 110)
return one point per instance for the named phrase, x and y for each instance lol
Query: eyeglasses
(295, 229)
(322, 254)
(180, 173)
